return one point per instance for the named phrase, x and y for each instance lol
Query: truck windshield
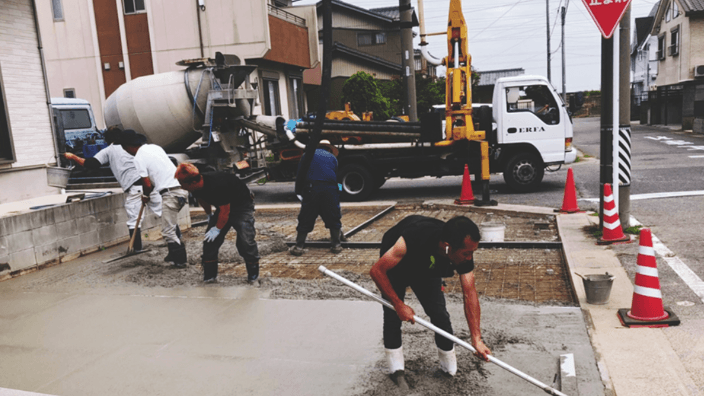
(76, 119)
(536, 99)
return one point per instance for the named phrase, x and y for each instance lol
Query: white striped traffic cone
(647, 309)
(612, 232)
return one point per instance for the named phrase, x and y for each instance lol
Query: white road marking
(637, 197)
(685, 273)
(696, 156)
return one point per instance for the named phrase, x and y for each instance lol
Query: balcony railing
(286, 16)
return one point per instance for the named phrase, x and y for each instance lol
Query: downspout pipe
(199, 8)
(46, 82)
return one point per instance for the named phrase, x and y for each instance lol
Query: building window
(297, 108)
(272, 103)
(57, 10)
(364, 39)
(668, 13)
(674, 48)
(7, 149)
(69, 93)
(661, 47)
(675, 10)
(133, 6)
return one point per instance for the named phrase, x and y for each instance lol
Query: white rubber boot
(448, 361)
(394, 359)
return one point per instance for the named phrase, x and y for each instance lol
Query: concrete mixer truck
(204, 114)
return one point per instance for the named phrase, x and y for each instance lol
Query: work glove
(212, 234)
(145, 198)
(300, 197)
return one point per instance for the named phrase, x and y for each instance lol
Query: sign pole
(615, 109)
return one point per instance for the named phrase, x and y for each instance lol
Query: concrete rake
(512, 370)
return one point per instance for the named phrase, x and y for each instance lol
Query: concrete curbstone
(44, 235)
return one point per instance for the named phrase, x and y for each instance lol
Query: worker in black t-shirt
(418, 252)
(234, 208)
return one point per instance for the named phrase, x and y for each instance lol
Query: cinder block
(4, 247)
(66, 229)
(98, 205)
(44, 235)
(22, 259)
(3, 227)
(80, 209)
(69, 246)
(46, 253)
(62, 213)
(86, 224)
(117, 201)
(120, 216)
(111, 233)
(20, 241)
(88, 241)
(17, 223)
(103, 218)
(41, 218)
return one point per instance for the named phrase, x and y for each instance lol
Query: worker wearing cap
(417, 253)
(234, 205)
(122, 166)
(321, 196)
(157, 174)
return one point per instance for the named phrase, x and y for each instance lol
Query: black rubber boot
(252, 271)
(179, 255)
(343, 238)
(335, 245)
(300, 243)
(137, 246)
(169, 259)
(210, 271)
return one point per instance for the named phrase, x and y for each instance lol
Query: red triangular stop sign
(607, 14)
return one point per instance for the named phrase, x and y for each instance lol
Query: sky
(506, 34)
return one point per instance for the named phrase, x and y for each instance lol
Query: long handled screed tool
(443, 333)
(130, 247)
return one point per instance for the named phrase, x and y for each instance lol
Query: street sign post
(607, 14)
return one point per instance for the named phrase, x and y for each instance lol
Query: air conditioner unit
(699, 71)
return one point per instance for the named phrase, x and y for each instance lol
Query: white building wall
(23, 83)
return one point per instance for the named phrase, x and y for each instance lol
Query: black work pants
(431, 297)
(242, 220)
(321, 199)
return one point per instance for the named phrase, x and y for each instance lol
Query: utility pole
(409, 73)
(606, 148)
(547, 27)
(624, 195)
(562, 44)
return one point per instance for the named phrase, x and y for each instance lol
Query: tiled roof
(692, 5)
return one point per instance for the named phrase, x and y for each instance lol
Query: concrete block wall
(61, 233)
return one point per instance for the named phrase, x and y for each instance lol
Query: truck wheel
(524, 172)
(357, 182)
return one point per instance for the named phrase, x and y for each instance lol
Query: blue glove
(212, 234)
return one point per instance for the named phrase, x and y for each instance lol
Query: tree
(363, 93)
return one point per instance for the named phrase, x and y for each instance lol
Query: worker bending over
(418, 252)
(157, 174)
(122, 167)
(321, 196)
(234, 205)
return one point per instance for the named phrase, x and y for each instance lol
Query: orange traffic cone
(569, 202)
(467, 196)
(647, 309)
(612, 232)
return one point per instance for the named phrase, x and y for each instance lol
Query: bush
(363, 93)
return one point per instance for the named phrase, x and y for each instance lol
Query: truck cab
(533, 130)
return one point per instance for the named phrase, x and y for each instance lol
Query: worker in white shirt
(122, 166)
(157, 174)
